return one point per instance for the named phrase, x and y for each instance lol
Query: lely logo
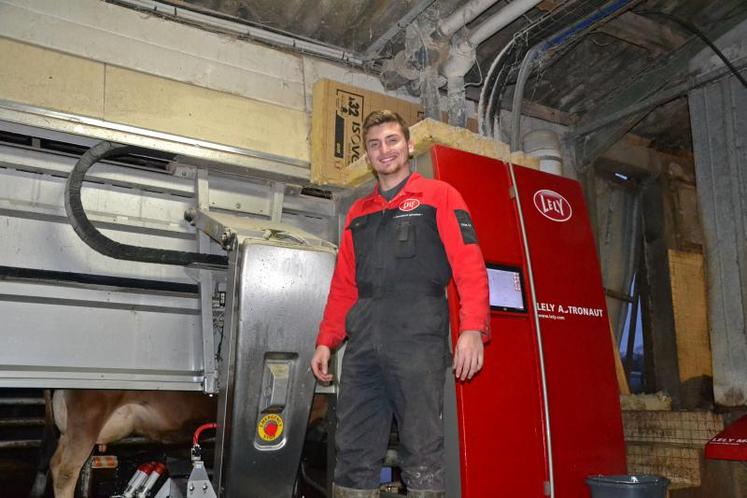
(409, 205)
(552, 205)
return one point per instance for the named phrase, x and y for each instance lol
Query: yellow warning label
(270, 427)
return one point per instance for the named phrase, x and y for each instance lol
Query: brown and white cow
(86, 418)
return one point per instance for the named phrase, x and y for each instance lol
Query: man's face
(388, 150)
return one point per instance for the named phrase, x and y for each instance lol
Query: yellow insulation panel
(51, 80)
(690, 304)
(428, 133)
(156, 103)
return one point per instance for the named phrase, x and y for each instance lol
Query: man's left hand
(468, 354)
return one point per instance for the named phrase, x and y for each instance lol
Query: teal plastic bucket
(628, 486)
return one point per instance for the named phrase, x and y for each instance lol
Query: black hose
(98, 241)
(693, 29)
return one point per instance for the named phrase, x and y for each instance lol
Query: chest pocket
(361, 239)
(404, 239)
(357, 225)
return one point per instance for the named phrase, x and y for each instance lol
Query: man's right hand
(320, 363)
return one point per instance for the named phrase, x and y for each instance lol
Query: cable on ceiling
(694, 29)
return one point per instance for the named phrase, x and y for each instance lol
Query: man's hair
(377, 118)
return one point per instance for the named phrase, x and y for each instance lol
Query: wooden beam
(622, 379)
(658, 296)
(593, 139)
(641, 31)
(548, 5)
(549, 114)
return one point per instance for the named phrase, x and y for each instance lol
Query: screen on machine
(506, 288)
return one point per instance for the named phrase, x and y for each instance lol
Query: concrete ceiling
(588, 75)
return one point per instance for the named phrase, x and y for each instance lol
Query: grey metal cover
(280, 295)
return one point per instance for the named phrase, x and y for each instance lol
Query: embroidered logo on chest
(409, 205)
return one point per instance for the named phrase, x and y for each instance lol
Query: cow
(86, 418)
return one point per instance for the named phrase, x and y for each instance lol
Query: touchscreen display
(506, 288)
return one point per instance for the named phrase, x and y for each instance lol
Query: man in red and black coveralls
(401, 245)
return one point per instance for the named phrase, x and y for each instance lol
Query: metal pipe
(456, 96)
(463, 16)
(21, 422)
(20, 444)
(429, 94)
(21, 401)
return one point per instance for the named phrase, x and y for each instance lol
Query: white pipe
(285, 40)
(462, 54)
(464, 15)
(456, 101)
(501, 19)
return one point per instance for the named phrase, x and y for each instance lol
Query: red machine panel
(584, 403)
(501, 414)
(500, 410)
(729, 444)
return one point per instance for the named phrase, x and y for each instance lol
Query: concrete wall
(100, 60)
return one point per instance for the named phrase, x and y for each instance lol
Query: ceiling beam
(641, 31)
(595, 132)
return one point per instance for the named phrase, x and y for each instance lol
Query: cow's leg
(86, 412)
(66, 463)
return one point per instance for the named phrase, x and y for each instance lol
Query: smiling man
(401, 245)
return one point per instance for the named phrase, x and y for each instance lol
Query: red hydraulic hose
(199, 430)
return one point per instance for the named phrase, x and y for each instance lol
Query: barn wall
(100, 60)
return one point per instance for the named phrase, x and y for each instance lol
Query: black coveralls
(395, 260)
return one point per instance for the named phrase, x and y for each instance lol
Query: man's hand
(320, 363)
(468, 354)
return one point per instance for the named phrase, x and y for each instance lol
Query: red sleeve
(467, 263)
(343, 293)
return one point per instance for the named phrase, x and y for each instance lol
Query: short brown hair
(377, 118)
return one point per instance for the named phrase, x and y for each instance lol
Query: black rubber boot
(413, 493)
(342, 492)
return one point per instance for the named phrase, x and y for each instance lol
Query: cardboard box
(337, 122)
